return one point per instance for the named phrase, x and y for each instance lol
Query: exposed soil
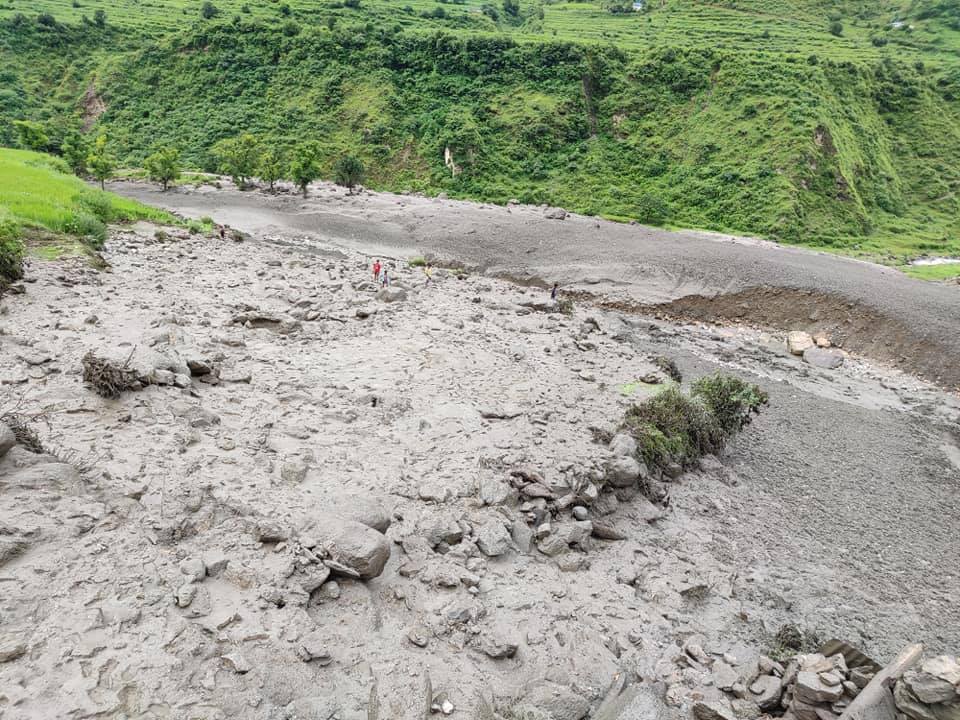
(835, 510)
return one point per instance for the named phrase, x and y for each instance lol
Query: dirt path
(868, 308)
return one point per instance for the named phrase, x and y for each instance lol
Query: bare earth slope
(866, 307)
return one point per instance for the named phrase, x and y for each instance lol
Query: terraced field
(739, 25)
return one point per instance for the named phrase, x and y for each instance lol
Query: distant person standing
(223, 232)
(553, 292)
(376, 270)
(384, 277)
(428, 271)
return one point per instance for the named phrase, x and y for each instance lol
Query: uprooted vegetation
(677, 428)
(107, 378)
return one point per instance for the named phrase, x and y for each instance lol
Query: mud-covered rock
(353, 545)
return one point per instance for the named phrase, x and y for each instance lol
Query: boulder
(624, 471)
(555, 213)
(492, 491)
(353, 545)
(944, 667)
(499, 643)
(493, 538)
(363, 509)
(766, 691)
(929, 688)
(798, 341)
(828, 359)
(11, 649)
(7, 439)
(391, 294)
(713, 710)
(623, 445)
(810, 688)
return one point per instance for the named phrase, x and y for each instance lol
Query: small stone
(823, 358)
(831, 678)
(11, 649)
(181, 381)
(766, 690)
(580, 512)
(714, 710)
(236, 662)
(799, 341)
(215, 562)
(186, 594)
(193, 568)
(418, 636)
(294, 472)
(724, 676)
(493, 538)
(810, 688)
(446, 707)
(499, 643)
(312, 648)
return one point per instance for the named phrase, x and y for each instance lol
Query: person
(376, 270)
(223, 232)
(384, 277)
(428, 271)
(554, 291)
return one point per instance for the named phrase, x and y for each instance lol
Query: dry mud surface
(158, 563)
(871, 309)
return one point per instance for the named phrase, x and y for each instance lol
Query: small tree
(100, 18)
(306, 165)
(100, 161)
(163, 166)
(208, 10)
(836, 28)
(76, 149)
(511, 7)
(349, 172)
(31, 135)
(238, 157)
(272, 164)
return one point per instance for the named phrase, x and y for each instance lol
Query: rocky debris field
(306, 496)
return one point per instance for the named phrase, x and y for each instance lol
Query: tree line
(243, 158)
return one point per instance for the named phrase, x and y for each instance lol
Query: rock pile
(932, 692)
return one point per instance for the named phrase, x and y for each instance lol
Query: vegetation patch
(107, 378)
(676, 428)
(40, 197)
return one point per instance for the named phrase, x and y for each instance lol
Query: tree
(511, 7)
(836, 28)
(163, 166)
(32, 135)
(349, 172)
(208, 10)
(306, 165)
(100, 18)
(75, 150)
(100, 161)
(238, 157)
(272, 164)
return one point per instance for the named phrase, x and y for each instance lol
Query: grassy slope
(39, 199)
(736, 115)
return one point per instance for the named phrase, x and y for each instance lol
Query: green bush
(672, 427)
(11, 252)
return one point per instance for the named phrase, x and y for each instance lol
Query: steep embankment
(793, 146)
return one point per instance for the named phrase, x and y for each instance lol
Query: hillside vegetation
(41, 200)
(828, 123)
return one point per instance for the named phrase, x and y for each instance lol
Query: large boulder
(391, 294)
(558, 702)
(827, 358)
(798, 341)
(493, 538)
(360, 549)
(624, 471)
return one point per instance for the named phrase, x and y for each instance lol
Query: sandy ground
(870, 309)
(835, 510)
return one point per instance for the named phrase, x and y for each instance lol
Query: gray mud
(835, 510)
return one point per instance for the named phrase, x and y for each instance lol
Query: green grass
(40, 200)
(933, 272)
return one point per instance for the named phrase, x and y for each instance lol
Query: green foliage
(101, 161)
(836, 28)
(208, 10)
(725, 116)
(672, 427)
(238, 157)
(305, 167)
(163, 166)
(349, 172)
(32, 135)
(11, 252)
(273, 164)
(75, 151)
(38, 195)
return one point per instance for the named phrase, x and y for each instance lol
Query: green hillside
(832, 123)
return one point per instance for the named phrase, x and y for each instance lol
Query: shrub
(209, 11)
(669, 367)
(11, 252)
(836, 28)
(730, 400)
(675, 428)
(349, 172)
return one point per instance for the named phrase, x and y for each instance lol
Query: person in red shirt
(376, 270)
